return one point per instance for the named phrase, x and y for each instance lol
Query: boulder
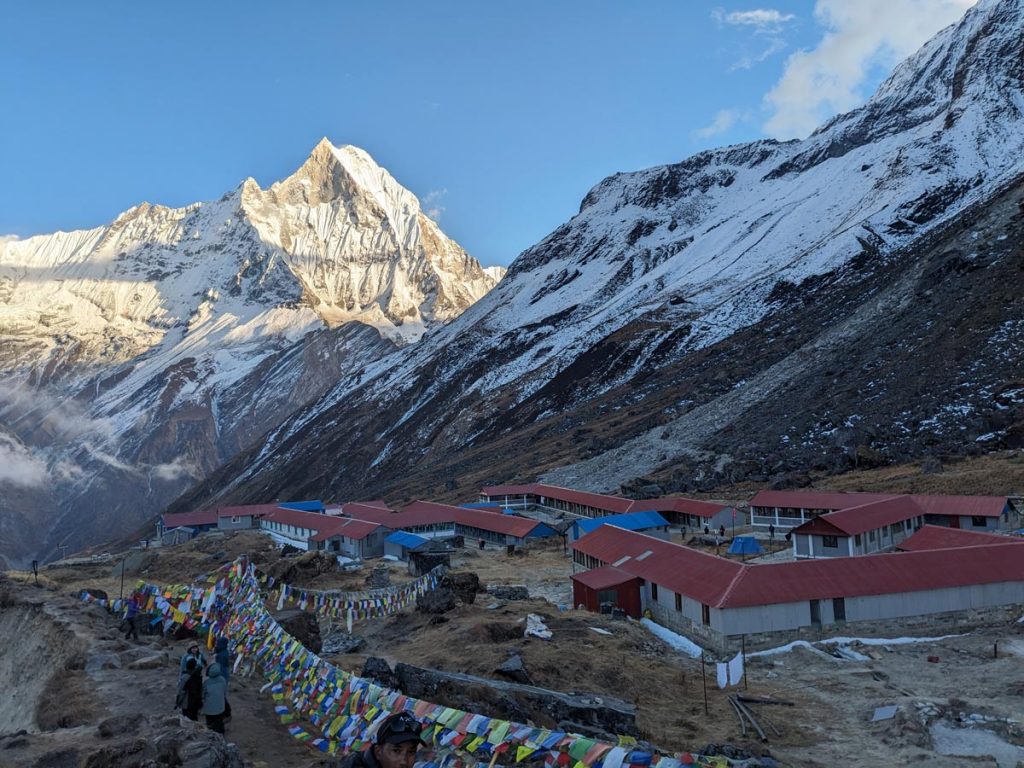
(438, 600)
(99, 661)
(514, 669)
(302, 626)
(150, 662)
(114, 726)
(465, 585)
(377, 669)
(338, 641)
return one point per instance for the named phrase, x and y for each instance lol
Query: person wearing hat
(192, 654)
(398, 740)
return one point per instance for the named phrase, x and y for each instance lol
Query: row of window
(705, 610)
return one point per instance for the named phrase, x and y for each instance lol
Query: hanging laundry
(722, 674)
(736, 670)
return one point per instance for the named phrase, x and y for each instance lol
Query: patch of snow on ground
(678, 642)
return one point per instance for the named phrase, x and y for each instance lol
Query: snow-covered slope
(666, 265)
(124, 349)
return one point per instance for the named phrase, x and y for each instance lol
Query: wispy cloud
(760, 18)
(859, 38)
(723, 120)
(432, 203)
(19, 466)
(174, 470)
(768, 26)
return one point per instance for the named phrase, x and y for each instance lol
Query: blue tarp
(407, 540)
(631, 521)
(745, 545)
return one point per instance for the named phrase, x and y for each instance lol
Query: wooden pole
(704, 680)
(743, 650)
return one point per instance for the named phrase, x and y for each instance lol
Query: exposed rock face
(747, 313)
(141, 355)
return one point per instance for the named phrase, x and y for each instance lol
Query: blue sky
(499, 116)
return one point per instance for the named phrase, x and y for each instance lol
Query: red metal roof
(248, 509)
(726, 584)
(687, 571)
(603, 578)
(940, 537)
(874, 575)
(323, 526)
(866, 517)
(982, 506)
(198, 517)
(613, 504)
(610, 504)
(509, 525)
(815, 499)
(678, 504)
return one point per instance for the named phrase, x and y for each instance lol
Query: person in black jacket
(398, 739)
(190, 692)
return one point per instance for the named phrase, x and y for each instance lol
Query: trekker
(192, 654)
(131, 619)
(721, 530)
(771, 531)
(398, 739)
(215, 700)
(706, 530)
(190, 691)
(224, 657)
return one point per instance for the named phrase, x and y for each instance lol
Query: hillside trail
(121, 678)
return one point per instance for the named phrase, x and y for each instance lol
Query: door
(816, 613)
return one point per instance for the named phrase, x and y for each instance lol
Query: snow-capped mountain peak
(166, 311)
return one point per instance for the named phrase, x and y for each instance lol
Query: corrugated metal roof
(408, 540)
(610, 504)
(631, 521)
(725, 584)
(866, 517)
(198, 517)
(586, 498)
(496, 522)
(939, 537)
(603, 578)
(815, 499)
(688, 571)
(323, 526)
(981, 506)
(247, 509)
(679, 504)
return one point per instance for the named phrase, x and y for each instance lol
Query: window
(705, 615)
(871, 535)
(978, 521)
(830, 542)
(234, 518)
(679, 602)
(839, 608)
(856, 539)
(654, 592)
(608, 596)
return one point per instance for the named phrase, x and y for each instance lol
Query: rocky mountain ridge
(139, 356)
(736, 287)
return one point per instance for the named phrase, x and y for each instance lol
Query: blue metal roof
(631, 521)
(408, 540)
(303, 506)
